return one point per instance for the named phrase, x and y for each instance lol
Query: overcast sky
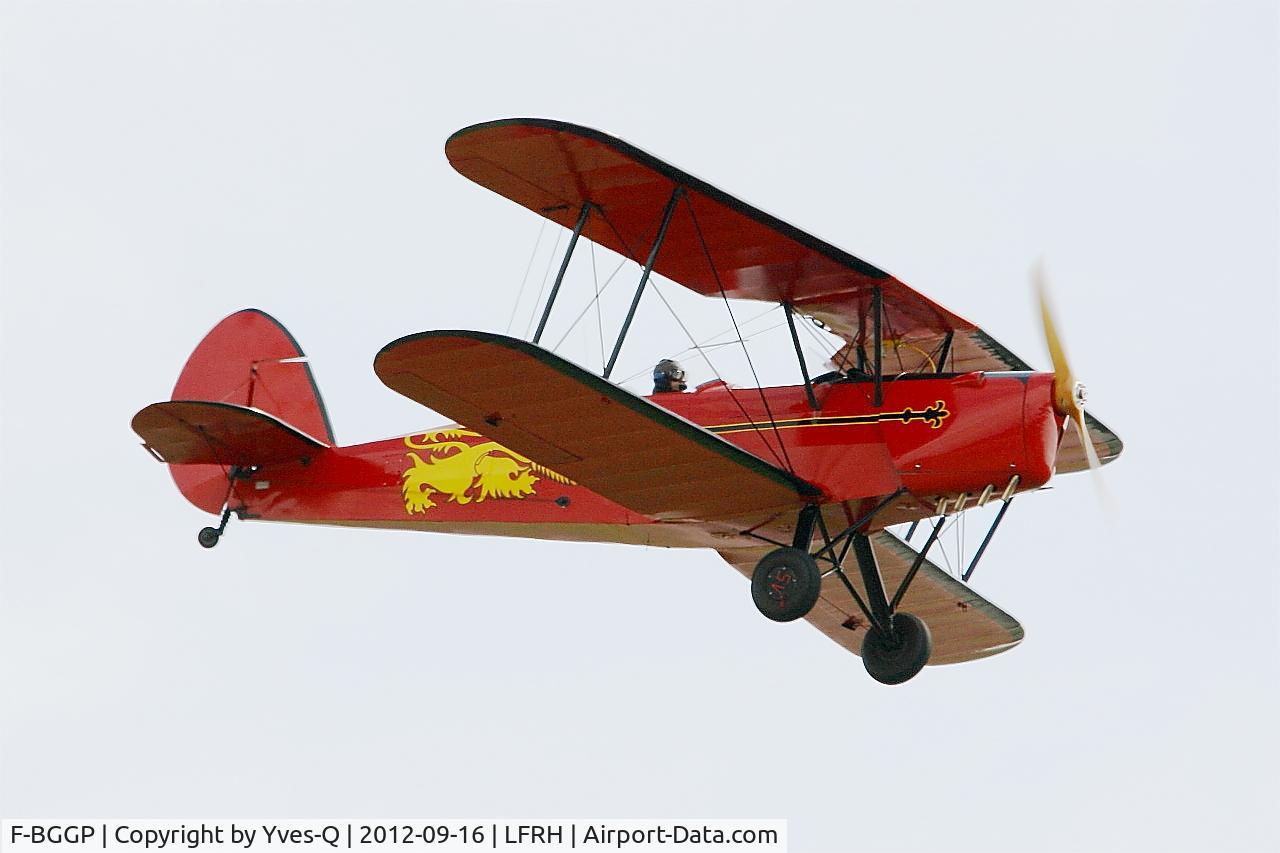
(165, 164)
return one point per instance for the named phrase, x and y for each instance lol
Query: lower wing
(964, 625)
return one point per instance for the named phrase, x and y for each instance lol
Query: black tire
(208, 537)
(785, 584)
(895, 659)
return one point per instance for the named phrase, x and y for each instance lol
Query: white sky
(167, 163)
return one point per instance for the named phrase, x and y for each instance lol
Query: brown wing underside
(713, 240)
(964, 625)
(613, 442)
(200, 432)
(716, 241)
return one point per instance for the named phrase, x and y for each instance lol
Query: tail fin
(247, 360)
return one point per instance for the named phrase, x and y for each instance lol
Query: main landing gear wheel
(785, 584)
(893, 659)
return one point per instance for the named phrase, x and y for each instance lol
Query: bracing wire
(708, 347)
(941, 547)
(596, 301)
(712, 342)
(955, 534)
(764, 438)
(595, 279)
(545, 275)
(824, 345)
(782, 460)
(715, 273)
(525, 279)
(628, 252)
(695, 345)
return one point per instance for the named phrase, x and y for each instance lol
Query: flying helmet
(668, 375)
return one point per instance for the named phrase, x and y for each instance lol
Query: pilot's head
(668, 375)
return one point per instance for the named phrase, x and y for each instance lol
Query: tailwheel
(896, 657)
(208, 537)
(785, 584)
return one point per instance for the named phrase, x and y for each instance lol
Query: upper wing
(559, 415)
(716, 241)
(964, 625)
(201, 432)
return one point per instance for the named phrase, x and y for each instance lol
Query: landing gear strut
(897, 645)
(209, 536)
(786, 585)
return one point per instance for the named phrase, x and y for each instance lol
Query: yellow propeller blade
(1068, 395)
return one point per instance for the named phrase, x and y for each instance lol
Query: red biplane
(923, 416)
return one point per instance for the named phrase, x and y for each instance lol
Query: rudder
(248, 359)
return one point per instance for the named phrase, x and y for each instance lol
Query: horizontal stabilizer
(195, 432)
(963, 624)
(583, 427)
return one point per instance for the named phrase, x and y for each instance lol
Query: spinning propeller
(1068, 394)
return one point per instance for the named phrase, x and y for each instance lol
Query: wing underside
(581, 426)
(713, 242)
(717, 243)
(202, 432)
(964, 625)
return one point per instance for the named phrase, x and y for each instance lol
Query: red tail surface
(248, 359)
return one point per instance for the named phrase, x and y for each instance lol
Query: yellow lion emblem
(463, 472)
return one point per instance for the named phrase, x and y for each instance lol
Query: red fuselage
(934, 436)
